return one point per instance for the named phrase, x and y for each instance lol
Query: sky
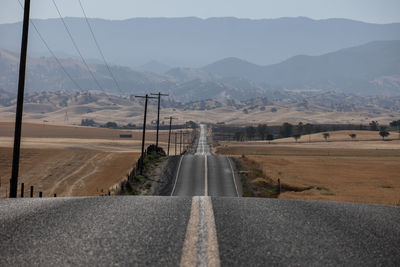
(373, 11)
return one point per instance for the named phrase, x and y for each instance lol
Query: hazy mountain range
(370, 69)
(195, 42)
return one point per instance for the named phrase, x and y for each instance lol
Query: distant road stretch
(203, 174)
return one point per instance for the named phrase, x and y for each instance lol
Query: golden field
(338, 170)
(71, 160)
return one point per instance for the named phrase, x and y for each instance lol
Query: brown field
(350, 171)
(71, 161)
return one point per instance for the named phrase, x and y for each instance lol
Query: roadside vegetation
(263, 132)
(256, 184)
(140, 184)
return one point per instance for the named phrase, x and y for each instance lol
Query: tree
(270, 137)
(300, 128)
(353, 136)
(87, 122)
(296, 136)
(396, 124)
(286, 130)
(373, 125)
(308, 128)
(383, 132)
(238, 136)
(111, 124)
(250, 132)
(326, 136)
(262, 131)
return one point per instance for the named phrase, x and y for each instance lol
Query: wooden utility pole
(175, 143)
(20, 102)
(146, 97)
(158, 114)
(180, 144)
(169, 132)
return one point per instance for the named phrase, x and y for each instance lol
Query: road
(203, 174)
(197, 227)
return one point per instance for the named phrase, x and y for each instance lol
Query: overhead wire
(98, 47)
(76, 46)
(52, 53)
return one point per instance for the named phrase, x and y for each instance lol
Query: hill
(194, 42)
(278, 107)
(370, 69)
(373, 68)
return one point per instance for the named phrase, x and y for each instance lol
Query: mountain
(45, 74)
(194, 42)
(370, 69)
(154, 66)
(373, 68)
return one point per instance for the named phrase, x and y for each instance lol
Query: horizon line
(208, 18)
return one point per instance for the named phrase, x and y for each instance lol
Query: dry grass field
(69, 160)
(339, 170)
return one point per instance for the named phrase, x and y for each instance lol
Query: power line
(51, 52)
(98, 46)
(76, 46)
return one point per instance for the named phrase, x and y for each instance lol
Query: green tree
(383, 132)
(296, 136)
(308, 128)
(300, 128)
(238, 136)
(262, 131)
(353, 136)
(286, 130)
(326, 136)
(270, 137)
(250, 132)
(374, 126)
(111, 124)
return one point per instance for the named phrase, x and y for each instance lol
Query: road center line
(200, 247)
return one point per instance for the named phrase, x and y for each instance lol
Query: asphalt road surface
(203, 174)
(192, 229)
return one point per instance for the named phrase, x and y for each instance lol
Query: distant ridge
(194, 42)
(370, 69)
(366, 69)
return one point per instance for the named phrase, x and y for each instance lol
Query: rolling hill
(373, 68)
(370, 69)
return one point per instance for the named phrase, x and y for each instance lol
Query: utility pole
(169, 132)
(20, 102)
(175, 143)
(146, 97)
(180, 144)
(158, 114)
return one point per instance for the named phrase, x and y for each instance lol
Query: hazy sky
(375, 11)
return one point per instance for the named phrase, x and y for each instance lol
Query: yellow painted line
(200, 247)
